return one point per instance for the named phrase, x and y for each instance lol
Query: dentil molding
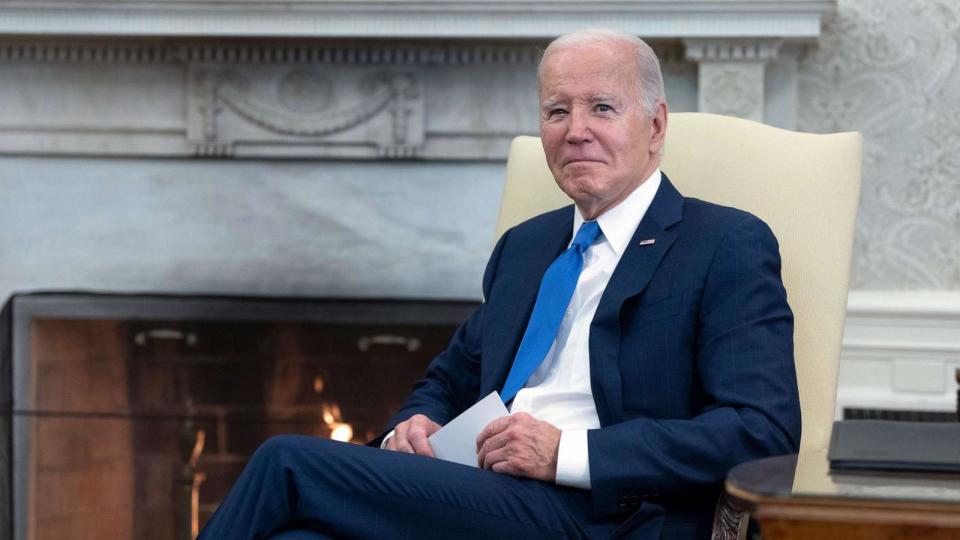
(732, 50)
(77, 51)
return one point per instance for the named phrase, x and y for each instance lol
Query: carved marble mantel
(355, 79)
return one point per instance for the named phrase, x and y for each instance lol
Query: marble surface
(809, 475)
(247, 227)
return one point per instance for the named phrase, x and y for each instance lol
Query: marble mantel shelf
(534, 19)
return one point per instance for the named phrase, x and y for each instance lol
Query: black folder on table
(895, 446)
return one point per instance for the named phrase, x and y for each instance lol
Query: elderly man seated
(641, 340)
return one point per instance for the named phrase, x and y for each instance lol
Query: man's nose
(578, 128)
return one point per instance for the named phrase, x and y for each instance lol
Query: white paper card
(457, 441)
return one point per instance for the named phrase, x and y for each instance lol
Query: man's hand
(410, 436)
(520, 445)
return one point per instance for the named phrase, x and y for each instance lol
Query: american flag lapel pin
(648, 242)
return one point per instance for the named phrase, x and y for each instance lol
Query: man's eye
(603, 107)
(556, 112)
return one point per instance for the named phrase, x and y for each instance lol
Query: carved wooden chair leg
(191, 445)
(730, 520)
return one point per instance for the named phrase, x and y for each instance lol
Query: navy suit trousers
(300, 488)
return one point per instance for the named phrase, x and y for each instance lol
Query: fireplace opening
(110, 396)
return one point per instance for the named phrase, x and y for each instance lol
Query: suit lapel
(533, 252)
(636, 267)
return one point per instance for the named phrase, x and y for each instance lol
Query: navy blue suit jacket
(691, 349)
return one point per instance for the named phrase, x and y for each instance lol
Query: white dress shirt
(559, 390)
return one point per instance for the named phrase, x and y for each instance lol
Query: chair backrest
(805, 186)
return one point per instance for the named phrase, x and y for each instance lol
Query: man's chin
(578, 189)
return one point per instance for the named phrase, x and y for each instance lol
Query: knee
(278, 448)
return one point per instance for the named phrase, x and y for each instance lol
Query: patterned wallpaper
(891, 69)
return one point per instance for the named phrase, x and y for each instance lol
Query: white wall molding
(900, 350)
(732, 50)
(795, 19)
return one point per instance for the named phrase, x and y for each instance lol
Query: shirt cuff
(573, 460)
(383, 443)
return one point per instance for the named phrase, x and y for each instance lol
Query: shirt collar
(620, 222)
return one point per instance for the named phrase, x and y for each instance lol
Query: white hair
(648, 66)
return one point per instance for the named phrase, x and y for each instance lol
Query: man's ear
(658, 129)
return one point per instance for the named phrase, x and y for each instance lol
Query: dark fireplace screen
(106, 397)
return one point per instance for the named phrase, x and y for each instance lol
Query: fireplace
(350, 151)
(106, 394)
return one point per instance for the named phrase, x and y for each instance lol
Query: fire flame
(339, 430)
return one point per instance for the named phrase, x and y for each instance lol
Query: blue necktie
(556, 289)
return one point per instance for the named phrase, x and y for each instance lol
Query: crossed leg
(295, 484)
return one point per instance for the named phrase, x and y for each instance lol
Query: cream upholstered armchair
(805, 186)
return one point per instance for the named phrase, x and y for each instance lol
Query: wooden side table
(796, 497)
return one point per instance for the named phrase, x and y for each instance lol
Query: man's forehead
(589, 84)
(589, 96)
(596, 56)
(606, 70)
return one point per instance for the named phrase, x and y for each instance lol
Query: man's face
(599, 142)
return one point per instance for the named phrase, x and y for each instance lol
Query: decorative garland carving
(729, 521)
(305, 91)
(380, 90)
(301, 108)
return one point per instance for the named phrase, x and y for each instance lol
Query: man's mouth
(580, 160)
